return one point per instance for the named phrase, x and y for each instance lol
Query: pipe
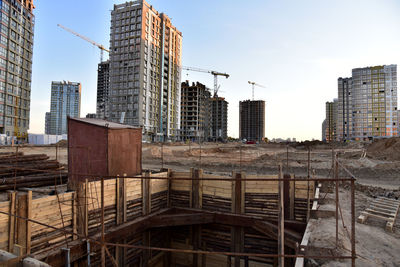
(67, 257)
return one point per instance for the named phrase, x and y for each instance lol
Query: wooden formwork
(127, 199)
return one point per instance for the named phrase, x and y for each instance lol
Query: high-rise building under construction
(331, 120)
(103, 89)
(145, 70)
(252, 120)
(16, 47)
(195, 112)
(219, 118)
(344, 109)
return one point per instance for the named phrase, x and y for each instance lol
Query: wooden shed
(102, 148)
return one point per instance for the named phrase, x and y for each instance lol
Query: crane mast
(100, 46)
(253, 84)
(212, 72)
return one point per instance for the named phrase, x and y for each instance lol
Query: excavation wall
(128, 199)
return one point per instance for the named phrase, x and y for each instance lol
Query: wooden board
(384, 209)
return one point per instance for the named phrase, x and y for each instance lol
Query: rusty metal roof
(104, 123)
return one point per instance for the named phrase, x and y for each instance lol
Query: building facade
(219, 119)
(344, 128)
(16, 47)
(331, 120)
(374, 102)
(145, 70)
(367, 105)
(103, 89)
(65, 102)
(47, 123)
(252, 120)
(324, 131)
(195, 112)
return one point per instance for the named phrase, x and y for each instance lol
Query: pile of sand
(385, 149)
(62, 143)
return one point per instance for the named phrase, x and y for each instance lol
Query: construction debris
(19, 170)
(384, 209)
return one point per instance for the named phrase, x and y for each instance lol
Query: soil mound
(62, 143)
(385, 149)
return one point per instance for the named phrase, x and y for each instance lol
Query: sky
(296, 49)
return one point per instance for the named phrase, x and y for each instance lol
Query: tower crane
(101, 47)
(253, 84)
(213, 72)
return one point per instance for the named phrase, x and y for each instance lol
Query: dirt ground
(376, 168)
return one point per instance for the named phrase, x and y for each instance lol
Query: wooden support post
(281, 220)
(74, 215)
(237, 208)
(337, 199)
(11, 228)
(353, 225)
(309, 194)
(86, 208)
(197, 189)
(145, 252)
(191, 186)
(196, 241)
(169, 175)
(286, 196)
(292, 192)
(204, 256)
(146, 194)
(82, 208)
(167, 254)
(118, 201)
(103, 252)
(28, 223)
(228, 261)
(146, 202)
(121, 215)
(24, 226)
(196, 203)
(124, 219)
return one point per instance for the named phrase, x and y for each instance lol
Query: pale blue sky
(297, 49)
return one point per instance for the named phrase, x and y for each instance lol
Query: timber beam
(170, 217)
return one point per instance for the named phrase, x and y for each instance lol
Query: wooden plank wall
(124, 201)
(4, 225)
(259, 198)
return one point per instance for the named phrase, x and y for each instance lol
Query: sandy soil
(374, 246)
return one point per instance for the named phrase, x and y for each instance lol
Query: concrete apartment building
(103, 89)
(374, 102)
(47, 123)
(252, 120)
(324, 131)
(344, 109)
(331, 120)
(145, 70)
(65, 101)
(219, 119)
(367, 105)
(195, 112)
(16, 47)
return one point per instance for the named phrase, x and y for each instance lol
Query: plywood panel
(158, 186)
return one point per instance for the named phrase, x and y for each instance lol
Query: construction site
(96, 202)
